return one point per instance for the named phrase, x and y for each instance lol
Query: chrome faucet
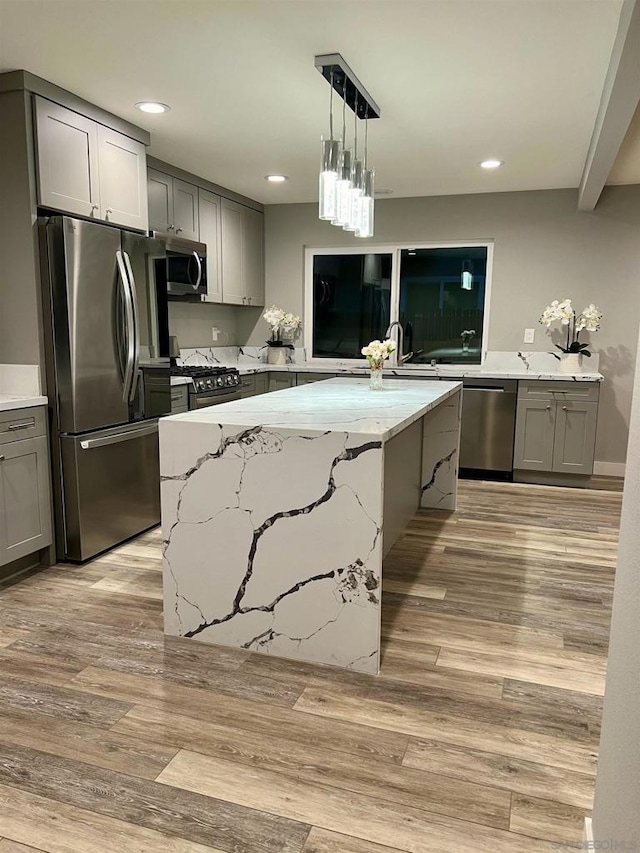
(400, 357)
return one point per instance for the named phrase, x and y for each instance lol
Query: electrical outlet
(214, 333)
(529, 335)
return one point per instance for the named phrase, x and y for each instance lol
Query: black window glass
(442, 303)
(351, 303)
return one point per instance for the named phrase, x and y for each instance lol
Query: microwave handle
(199, 265)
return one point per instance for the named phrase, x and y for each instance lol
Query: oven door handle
(201, 401)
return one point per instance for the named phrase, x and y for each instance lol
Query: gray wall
(616, 814)
(192, 323)
(544, 249)
(20, 311)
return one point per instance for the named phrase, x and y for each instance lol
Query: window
(437, 293)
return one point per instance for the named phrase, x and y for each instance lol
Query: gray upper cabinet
(242, 254)
(185, 210)
(160, 194)
(173, 205)
(123, 179)
(88, 169)
(210, 228)
(232, 253)
(253, 256)
(67, 160)
(25, 497)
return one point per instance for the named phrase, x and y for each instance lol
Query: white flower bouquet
(377, 351)
(589, 319)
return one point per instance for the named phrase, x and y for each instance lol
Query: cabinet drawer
(305, 378)
(585, 392)
(22, 423)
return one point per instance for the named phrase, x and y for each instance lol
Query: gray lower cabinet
(305, 378)
(179, 399)
(251, 386)
(25, 491)
(278, 381)
(556, 427)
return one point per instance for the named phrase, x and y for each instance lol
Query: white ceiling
(457, 81)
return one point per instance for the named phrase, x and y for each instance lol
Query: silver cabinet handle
(178, 230)
(131, 343)
(199, 265)
(170, 227)
(136, 325)
(548, 408)
(107, 212)
(1, 458)
(28, 425)
(564, 408)
(94, 207)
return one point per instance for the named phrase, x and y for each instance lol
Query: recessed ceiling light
(492, 164)
(276, 179)
(383, 192)
(152, 107)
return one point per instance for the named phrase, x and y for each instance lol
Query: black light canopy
(337, 73)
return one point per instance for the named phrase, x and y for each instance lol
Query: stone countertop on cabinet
(336, 405)
(442, 372)
(11, 402)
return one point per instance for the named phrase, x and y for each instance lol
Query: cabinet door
(247, 386)
(232, 253)
(185, 210)
(123, 179)
(67, 160)
(278, 381)
(575, 437)
(262, 383)
(209, 216)
(179, 399)
(160, 197)
(25, 511)
(535, 426)
(253, 256)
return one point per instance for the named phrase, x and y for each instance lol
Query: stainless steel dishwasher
(488, 424)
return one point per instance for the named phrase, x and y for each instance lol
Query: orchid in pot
(589, 319)
(284, 328)
(376, 353)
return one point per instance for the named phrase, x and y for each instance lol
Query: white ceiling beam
(620, 98)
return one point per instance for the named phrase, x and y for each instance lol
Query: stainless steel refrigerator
(107, 361)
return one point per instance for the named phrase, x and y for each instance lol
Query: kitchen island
(277, 511)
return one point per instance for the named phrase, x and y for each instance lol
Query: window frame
(395, 250)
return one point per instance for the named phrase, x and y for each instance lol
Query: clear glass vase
(375, 376)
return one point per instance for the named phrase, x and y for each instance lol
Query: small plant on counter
(589, 319)
(467, 335)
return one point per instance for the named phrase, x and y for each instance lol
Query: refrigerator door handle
(131, 342)
(116, 438)
(136, 325)
(199, 265)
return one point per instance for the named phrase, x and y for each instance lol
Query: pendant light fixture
(330, 149)
(466, 276)
(346, 182)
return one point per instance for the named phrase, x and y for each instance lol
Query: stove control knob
(209, 383)
(220, 381)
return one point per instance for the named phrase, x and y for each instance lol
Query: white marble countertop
(453, 371)
(9, 402)
(334, 405)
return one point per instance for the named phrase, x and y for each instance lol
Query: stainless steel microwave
(185, 266)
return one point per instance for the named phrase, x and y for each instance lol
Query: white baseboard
(609, 469)
(587, 836)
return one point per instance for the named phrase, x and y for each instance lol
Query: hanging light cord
(366, 138)
(355, 130)
(344, 107)
(331, 109)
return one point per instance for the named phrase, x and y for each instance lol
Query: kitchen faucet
(400, 357)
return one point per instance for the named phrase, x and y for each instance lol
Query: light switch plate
(214, 334)
(529, 335)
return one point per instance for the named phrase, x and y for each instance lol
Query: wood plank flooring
(480, 734)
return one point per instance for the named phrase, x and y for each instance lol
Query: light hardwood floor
(481, 733)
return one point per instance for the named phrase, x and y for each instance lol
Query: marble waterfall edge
(441, 454)
(247, 538)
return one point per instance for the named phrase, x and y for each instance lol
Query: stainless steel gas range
(210, 386)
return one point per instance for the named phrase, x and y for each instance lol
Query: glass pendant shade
(366, 205)
(466, 277)
(328, 178)
(343, 189)
(355, 194)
